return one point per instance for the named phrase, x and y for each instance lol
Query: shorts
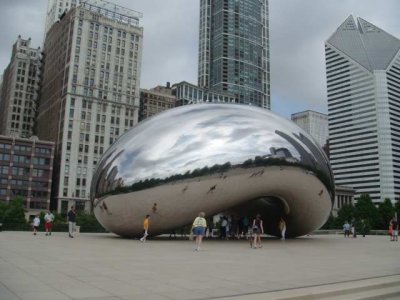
(36, 227)
(395, 232)
(198, 230)
(48, 225)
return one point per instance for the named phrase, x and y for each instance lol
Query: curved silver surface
(214, 158)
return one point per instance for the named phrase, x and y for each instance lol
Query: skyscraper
(314, 123)
(363, 80)
(90, 93)
(55, 8)
(234, 49)
(19, 90)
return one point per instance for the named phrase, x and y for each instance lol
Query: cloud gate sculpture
(236, 159)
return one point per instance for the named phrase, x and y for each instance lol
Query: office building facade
(363, 81)
(19, 90)
(90, 94)
(155, 100)
(26, 167)
(187, 93)
(55, 8)
(234, 49)
(314, 123)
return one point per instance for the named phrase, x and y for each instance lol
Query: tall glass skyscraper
(234, 49)
(363, 79)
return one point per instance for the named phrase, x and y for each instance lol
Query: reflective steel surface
(236, 159)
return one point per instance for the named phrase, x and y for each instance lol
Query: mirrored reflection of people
(36, 224)
(199, 228)
(395, 230)
(154, 208)
(48, 222)
(71, 218)
(258, 229)
(282, 228)
(145, 228)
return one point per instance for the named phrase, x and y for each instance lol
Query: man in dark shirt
(71, 221)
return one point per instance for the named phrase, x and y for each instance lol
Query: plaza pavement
(105, 266)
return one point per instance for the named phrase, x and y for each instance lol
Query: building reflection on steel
(213, 158)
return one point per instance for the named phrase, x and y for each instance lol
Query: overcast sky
(298, 30)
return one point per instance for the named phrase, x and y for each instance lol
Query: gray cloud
(298, 30)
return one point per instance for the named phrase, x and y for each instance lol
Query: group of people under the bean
(251, 231)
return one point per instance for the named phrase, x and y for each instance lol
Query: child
(36, 223)
(145, 228)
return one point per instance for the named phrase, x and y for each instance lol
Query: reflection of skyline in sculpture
(193, 149)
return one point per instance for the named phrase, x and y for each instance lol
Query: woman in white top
(199, 227)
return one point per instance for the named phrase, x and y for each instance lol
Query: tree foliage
(366, 210)
(88, 222)
(15, 213)
(346, 213)
(386, 213)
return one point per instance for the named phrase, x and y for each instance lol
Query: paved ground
(104, 266)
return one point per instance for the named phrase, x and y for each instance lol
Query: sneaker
(71, 236)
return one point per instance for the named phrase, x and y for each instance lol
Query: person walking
(199, 227)
(258, 229)
(282, 228)
(346, 229)
(395, 229)
(245, 226)
(224, 224)
(48, 222)
(36, 224)
(145, 228)
(71, 217)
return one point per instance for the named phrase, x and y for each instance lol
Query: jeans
(71, 227)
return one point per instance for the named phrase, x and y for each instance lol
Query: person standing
(245, 226)
(199, 227)
(71, 217)
(145, 228)
(224, 224)
(346, 229)
(354, 228)
(395, 229)
(48, 222)
(282, 228)
(36, 223)
(258, 229)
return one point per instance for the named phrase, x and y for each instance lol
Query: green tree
(397, 208)
(58, 218)
(345, 213)
(367, 211)
(386, 212)
(330, 223)
(3, 208)
(15, 214)
(88, 222)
